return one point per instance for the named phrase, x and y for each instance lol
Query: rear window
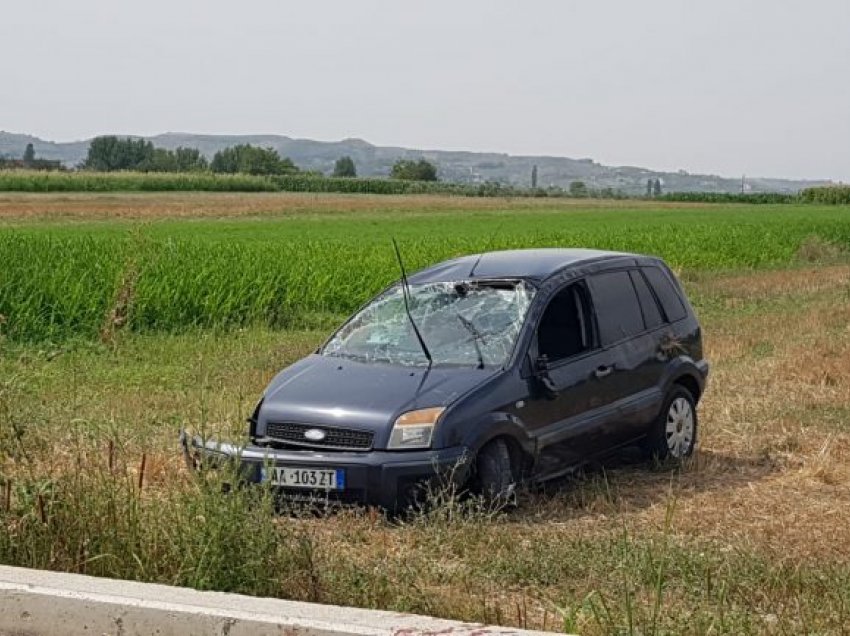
(652, 317)
(667, 294)
(615, 303)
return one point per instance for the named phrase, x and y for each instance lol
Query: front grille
(335, 438)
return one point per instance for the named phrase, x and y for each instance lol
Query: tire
(673, 434)
(496, 474)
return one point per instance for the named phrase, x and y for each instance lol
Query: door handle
(603, 371)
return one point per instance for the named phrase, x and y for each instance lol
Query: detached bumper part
(389, 479)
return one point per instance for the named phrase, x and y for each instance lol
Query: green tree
(410, 170)
(111, 153)
(29, 154)
(578, 189)
(649, 187)
(656, 188)
(534, 176)
(178, 160)
(161, 160)
(249, 159)
(344, 167)
(226, 160)
(190, 159)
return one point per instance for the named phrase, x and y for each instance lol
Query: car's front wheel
(673, 435)
(496, 474)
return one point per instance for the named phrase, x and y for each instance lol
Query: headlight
(414, 429)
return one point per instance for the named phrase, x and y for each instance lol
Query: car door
(630, 330)
(571, 398)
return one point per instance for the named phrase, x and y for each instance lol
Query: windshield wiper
(405, 288)
(476, 336)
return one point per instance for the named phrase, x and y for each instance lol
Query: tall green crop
(72, 280)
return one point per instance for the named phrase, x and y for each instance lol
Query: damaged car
(483, 371)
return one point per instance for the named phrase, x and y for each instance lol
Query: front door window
(565, 328)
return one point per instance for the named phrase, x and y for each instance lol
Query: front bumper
(389, 479)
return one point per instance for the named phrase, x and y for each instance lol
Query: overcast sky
(760, 87)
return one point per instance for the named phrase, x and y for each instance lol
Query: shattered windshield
(462, 323)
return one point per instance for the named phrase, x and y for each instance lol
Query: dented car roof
(531, 264)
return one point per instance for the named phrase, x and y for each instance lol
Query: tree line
(110, 154)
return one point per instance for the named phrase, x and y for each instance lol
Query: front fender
(494, 425)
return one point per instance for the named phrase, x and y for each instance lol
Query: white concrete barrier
(39, 603)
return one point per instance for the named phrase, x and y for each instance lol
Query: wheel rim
(680, 427)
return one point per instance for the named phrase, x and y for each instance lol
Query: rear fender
(684, 366)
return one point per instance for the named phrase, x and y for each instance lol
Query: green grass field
(62, 280)
(128, 317)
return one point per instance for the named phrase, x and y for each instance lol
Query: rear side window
(615, 303)
(652, 317)
(666, 293)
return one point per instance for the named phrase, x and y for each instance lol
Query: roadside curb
(36, 602)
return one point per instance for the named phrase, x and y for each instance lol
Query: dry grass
(751, 536)
(146, 206)
(775, 284)
(777, 412)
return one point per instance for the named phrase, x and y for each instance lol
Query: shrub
(833, 195)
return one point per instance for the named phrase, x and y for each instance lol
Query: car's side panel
(571, 421)
(637, 366)
(575, 425)
(636, 380)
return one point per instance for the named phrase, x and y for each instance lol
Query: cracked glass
(465, 323)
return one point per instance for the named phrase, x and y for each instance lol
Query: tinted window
(666, 292)
(564, 329)
(616, 305)
(652, 317)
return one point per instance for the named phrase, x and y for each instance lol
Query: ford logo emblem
(314, 434)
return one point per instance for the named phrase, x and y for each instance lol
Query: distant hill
(456, 166)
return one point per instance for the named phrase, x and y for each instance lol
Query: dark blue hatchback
(486, 370)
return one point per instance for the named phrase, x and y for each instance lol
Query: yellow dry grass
(148, 206)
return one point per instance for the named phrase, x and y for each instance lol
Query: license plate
(315, 478)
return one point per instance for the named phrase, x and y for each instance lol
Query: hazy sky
(760, 87)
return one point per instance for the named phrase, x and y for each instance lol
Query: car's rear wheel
(496, 474)
(674, 433)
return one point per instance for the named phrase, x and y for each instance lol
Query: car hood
(332, 391)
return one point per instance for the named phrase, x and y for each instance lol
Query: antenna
(475, 264)
(405, 292)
